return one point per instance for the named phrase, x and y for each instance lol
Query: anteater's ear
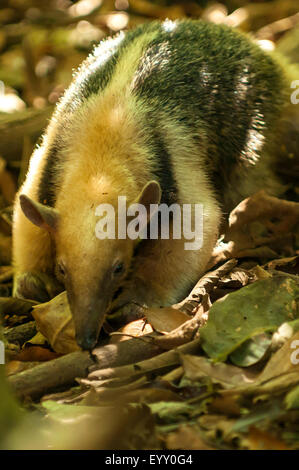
(150, 194)
(43, 216)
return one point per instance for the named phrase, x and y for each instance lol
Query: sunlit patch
(266, 45)
(237, 17)
(255, 139)
(242, 85)
(284, 332)
(154, 59)
(116, 115)
(169, 25)
(84, 7)
(10, 102)
(85, 33)
(102, 53)
(37, 157)
(255, 134)
(117, 21)
(205, 75)
(216, 13)
(99, 185)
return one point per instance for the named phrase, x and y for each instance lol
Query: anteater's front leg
(33, 260)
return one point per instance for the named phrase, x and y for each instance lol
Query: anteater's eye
(118, 268)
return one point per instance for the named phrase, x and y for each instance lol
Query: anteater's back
(211, 83)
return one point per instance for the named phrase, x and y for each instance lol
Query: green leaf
(170, 412)
(292, 399)
(252, 310)
(251, 351)
(267, 412)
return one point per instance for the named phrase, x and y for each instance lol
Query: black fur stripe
(46, 189)
(93, 76)
(163, 171)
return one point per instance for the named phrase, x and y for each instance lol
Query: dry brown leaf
(263, 440)
(258, 226)
(149, 395)
(37, 340)
(214, 425)
(165, 319)
(35, 354)
(282, 361)
(228, 376)
(54, 321)
(188, 438)
(225, 405)
(287, 265)
(132, 329)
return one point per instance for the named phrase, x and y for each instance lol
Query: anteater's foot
(36, 286)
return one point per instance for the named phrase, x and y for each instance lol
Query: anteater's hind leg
(33, 260)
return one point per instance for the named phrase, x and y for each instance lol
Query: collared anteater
(177, 112)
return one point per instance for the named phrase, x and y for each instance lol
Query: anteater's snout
(87, 342)
(88, 321)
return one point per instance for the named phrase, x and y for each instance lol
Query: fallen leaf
(170, 411)
(165, 319)
(287, 265)
(258, 227)
(35, 354)
(251, 351)
(54, 321)
(292, 399)
(186, 438)
(254, 309)
(263, 440)
(226, 405)
(133, 329)
(196, 367)
(286, 359)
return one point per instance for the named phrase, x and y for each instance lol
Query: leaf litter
(216, 370)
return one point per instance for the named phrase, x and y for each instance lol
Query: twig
(63, 371)
(139, 368)
(21, 333)
(50, 375)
